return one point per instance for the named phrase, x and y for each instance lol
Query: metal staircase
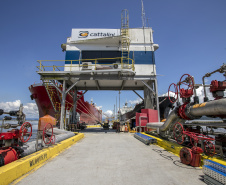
(52, 93)
(125, 41)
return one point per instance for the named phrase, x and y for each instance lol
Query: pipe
(212, 108)
(60, 135)
(154, 125)
(172, 118)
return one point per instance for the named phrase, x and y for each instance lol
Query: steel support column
(62, 114)
(157, 99)
(74, 113)
(149, 95)
(64, 94)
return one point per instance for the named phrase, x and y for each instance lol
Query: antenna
(143, 14)
(143, 21)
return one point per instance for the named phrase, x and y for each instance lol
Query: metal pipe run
(60, 135)
(212, 108)
(163, 126)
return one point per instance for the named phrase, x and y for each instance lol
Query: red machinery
(186, 90)
(194, 138)
(12, 140)
(45, 131)
(192, 156)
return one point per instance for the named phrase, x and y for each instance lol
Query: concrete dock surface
(112, 159)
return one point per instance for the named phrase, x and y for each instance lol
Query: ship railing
(87, 64)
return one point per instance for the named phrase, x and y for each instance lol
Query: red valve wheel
(47, 134)
(25, 132)
(178, 132)
(193, 140)
(175, 91)
(209, 148)
(186, 86)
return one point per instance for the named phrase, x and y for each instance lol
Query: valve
(173, 88)
(217, 88)
(47, 135)
(178, 133)
(187, 81)
(25, 132)
(209, 148)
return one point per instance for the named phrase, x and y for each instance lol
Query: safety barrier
(87, 64)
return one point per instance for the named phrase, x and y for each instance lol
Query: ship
(48, 99)
(165, 107)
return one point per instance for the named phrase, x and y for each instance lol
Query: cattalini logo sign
(83, 34)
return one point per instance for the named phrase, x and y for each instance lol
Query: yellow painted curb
(16, 169)
(172, 147)
(175, 148)
(93, 126)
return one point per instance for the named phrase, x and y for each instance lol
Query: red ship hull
(88, 112)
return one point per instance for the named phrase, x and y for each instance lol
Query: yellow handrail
(95, 63)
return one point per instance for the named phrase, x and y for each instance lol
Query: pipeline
(213, 108)
(60, 135)
(163, 126)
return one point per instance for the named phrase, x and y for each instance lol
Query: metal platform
(113, 79)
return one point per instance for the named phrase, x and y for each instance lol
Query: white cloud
(134, 102)
(108, 113)
(98, 107)
(30, 109)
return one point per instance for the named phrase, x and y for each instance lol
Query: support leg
(63, 105)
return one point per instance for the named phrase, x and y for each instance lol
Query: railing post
(95, 64)
(133, 65)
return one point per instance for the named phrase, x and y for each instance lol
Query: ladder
(125, 41)
(52, 93)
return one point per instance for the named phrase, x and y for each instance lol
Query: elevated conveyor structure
(106, 59)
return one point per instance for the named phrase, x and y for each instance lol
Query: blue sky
(191, 35)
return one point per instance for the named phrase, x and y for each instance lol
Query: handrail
(95, 64)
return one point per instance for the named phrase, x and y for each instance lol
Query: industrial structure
(105, 59)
